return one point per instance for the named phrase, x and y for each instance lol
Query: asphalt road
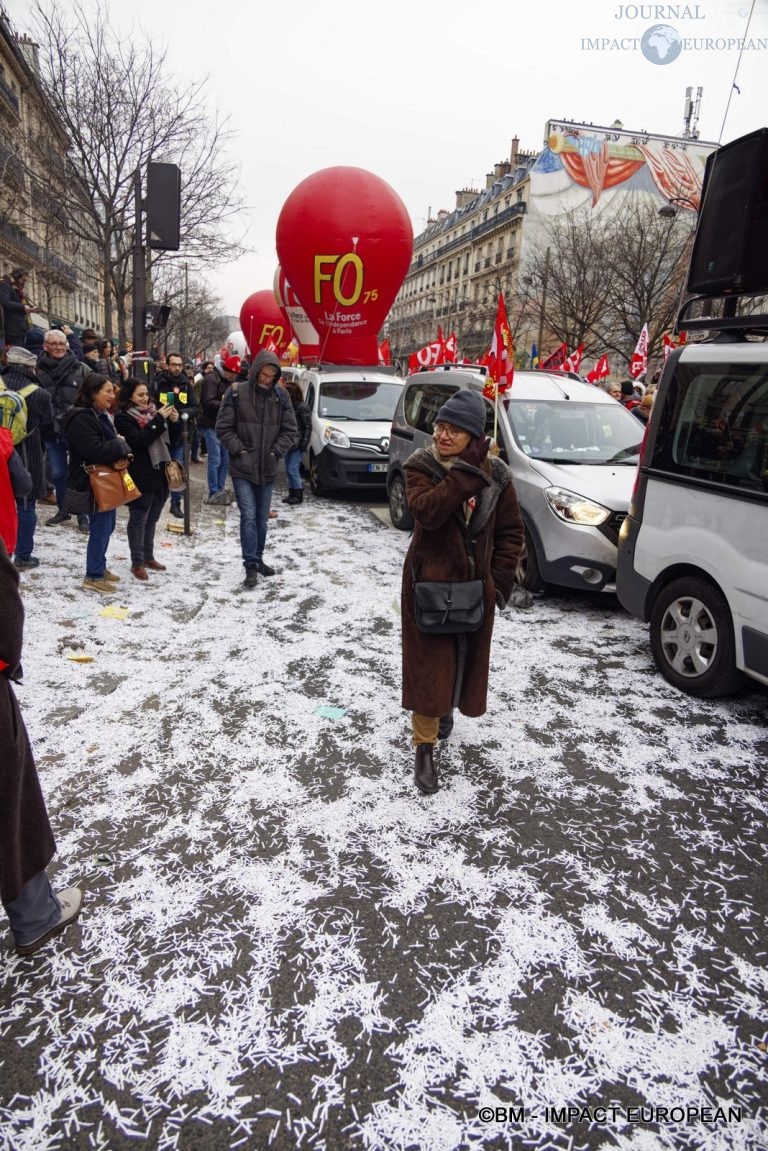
(284, 945)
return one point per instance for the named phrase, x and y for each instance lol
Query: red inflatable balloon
(261, 321)
(344, 240)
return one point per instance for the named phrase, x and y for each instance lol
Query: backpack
(13, 411)
(282, 395)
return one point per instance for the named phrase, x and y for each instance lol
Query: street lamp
(669, 212)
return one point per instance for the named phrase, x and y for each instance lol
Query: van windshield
(567, 432)
(358, 399)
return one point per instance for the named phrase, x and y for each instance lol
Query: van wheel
(692, 639)
(315, 486)
(398, 505)
(530, 575)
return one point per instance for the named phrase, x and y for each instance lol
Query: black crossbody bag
(450, 607)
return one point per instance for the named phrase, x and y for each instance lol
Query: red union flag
(501, 358)
(385, 355)
(572, 363)
(600, 370)
(451, 349)
(427, 356)
(555, 361)
(639, 362)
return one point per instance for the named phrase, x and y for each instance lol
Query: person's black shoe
(425, 772)
(264, 569)
(251, 577)
(446, 725)
(83, 525)
(26, 565)
(60, 518)
(176, 511)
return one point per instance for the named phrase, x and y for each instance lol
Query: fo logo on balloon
(345, 241)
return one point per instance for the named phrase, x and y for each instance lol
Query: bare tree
(113, 96)
(196, 324)
(607, 275)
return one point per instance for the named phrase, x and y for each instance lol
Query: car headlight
(575, 509)
(335, 437)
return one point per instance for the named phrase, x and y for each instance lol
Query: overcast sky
(429, 93)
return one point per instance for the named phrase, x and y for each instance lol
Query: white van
(693, 551)
(352, 412)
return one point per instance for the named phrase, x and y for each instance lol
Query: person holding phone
(467, 526)
(151, 433)
(172, 388)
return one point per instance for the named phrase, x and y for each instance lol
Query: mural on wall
(584, 165)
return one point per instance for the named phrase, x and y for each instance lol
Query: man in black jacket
(60, 372)
(256, 425)
(171, 386)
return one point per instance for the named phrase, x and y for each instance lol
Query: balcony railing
(10, 97)
(21, 242)
(503, 217)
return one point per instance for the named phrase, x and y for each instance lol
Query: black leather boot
(446, 725)
(425, 772)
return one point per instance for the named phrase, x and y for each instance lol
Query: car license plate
(377, 467)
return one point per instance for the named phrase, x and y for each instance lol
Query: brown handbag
(111, 486)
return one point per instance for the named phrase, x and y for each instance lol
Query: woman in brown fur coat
(467, 526)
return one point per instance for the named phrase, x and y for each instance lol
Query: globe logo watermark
(661, 44)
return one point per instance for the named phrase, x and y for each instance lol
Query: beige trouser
(424, 728)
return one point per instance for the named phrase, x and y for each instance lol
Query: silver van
(693, 551)
(573, 452)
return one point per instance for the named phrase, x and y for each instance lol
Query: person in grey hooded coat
(256, 426)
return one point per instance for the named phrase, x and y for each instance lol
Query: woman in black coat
(150, 433)
(92, 439)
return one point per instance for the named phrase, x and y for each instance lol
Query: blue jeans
(56, 450)
(218, 462)
(25, 536)
(177, 453)
(292, 469)
(34, 911)
(253, 500)
(102, 526)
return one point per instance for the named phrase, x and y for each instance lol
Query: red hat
(231, 364)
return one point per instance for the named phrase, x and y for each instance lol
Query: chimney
(31, 53)
(464, 196)
(514, 151)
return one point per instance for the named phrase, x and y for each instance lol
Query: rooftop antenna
(691, 114)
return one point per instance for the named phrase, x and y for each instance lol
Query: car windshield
(359, 399)
(567, 432)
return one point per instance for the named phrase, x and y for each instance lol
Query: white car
(352, 411)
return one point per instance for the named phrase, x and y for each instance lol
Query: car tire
(692, 638)
(315, 484)
(531, 577)
(398, 505)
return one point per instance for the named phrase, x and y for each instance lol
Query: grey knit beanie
(466, 410)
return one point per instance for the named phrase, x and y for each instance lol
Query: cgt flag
(639, 362)
(501, 358)
(385, 353)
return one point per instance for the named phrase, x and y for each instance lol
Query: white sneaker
(71, 902)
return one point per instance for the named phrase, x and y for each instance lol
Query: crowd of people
(77, 407)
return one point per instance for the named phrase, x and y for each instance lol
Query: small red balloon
(345, 241)
(262, 323)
